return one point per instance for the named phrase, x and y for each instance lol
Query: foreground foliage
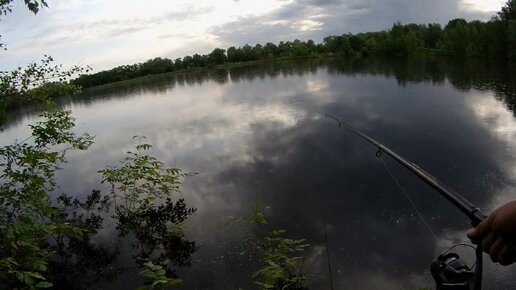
(37, 82)
(281, 258)
(141, 191)
(46, 240)
(26, 211)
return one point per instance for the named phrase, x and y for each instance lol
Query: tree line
(495, 38)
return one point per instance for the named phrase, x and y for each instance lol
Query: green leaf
(174, 281)
(161, 272)
(35, 275)
(44, 284)
(158, 282)
(39, 266)
(264, 285)
(27, 279)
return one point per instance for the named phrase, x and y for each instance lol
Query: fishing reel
(450, 272)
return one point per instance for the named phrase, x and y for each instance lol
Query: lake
(257, 134)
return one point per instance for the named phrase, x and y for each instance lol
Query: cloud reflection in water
(254, 134)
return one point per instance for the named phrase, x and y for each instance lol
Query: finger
(478, 233)
(470, 234)
(506, 256)
(496, 248)
(488, 241)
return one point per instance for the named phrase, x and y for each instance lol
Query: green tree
(456, 37)
(270, 50)
(284, 48)
(432, 35)
(511, 39)
(156, 65)
(300, 49)
(178, 64)
(508, 11)
(496, 39)
(332, 44)
(234, 54)
(198, 60)
(188, 62)
(413, 44)
(217, 56)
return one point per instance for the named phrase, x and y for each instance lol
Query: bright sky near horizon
(105, 34)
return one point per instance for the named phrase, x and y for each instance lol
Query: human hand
(497, 234)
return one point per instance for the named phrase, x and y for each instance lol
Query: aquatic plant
(281, 258)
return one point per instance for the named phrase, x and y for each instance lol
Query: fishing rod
(448, 270)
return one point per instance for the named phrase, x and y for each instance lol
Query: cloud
(60, 33)
(97, 41)
(319, 18)
(482, 5)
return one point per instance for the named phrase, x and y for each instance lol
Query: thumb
(478, 233)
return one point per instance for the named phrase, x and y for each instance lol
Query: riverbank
(220, 66)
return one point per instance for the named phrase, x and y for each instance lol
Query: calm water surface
(257, 134)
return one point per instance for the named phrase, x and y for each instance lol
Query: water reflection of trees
(159, 84)
(84, 263)
(274, 69)
(463, 74)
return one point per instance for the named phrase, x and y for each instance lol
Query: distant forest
(495, 38)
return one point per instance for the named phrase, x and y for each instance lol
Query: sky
(104, 34)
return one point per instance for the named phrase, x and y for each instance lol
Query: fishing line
(326, 244)
(448, 270)
(327, 250)
(421, 217)
(473, 212)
